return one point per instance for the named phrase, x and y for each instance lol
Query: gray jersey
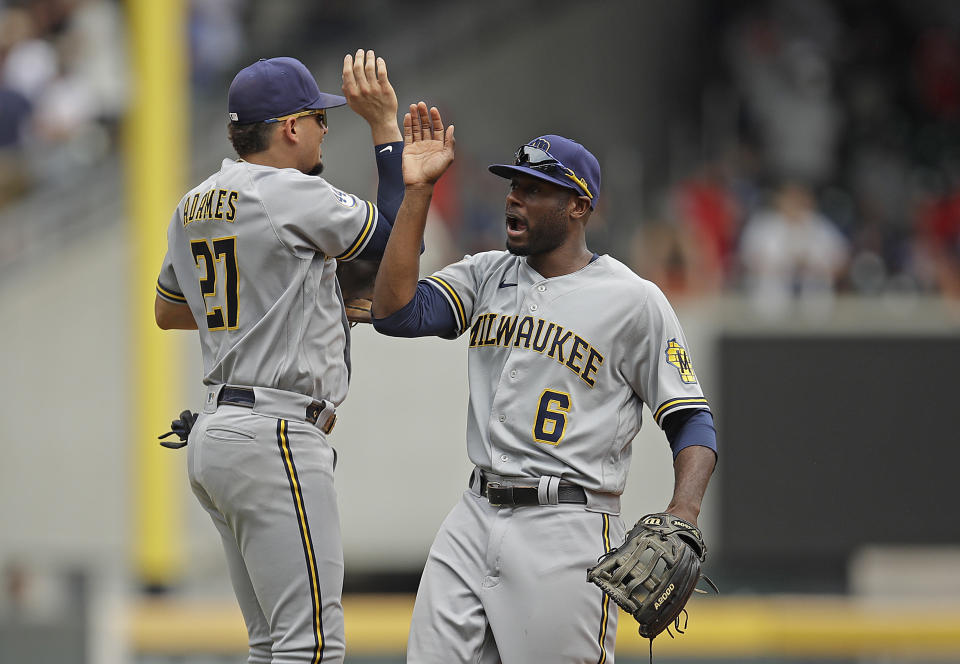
(560, 368)
(253, 250)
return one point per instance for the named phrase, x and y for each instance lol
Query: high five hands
(428, 148)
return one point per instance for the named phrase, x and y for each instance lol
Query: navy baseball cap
(273, 88)
(558, 160)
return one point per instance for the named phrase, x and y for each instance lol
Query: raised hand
(370, 94)
(428, 149)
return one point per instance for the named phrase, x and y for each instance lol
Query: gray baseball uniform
(559, 370)
(253, 251)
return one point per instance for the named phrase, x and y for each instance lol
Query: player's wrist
(686, 512)
(419, 188)
(385, 131)
(396, 144)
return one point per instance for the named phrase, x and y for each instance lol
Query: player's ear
(579, 207)
(290, 130)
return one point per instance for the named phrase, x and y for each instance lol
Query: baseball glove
(181, 429)
(654, 572)
(356, 285)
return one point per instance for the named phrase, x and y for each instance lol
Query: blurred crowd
(65, 83)
(827, 158)
(63, 88)
(841, 171)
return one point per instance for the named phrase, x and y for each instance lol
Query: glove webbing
(650, 582)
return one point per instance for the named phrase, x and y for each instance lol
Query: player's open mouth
(515, 226)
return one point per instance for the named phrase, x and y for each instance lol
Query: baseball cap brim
(327, 101)
(508, 171)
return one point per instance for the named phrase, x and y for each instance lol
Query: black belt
(511, 496)
(246, 398)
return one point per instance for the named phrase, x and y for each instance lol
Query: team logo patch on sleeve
(345, 199)
(677, 356)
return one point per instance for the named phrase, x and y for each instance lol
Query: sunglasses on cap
(541, 160)
(321, 114)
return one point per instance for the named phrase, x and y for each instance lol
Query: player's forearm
(692, 470)
(390, 187)
(399, 271)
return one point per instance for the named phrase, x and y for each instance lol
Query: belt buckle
(499, 496)
(314, 411)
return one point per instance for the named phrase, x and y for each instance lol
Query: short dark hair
(249, 138)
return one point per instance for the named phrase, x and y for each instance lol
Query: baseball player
(565, 347)
(251, 262)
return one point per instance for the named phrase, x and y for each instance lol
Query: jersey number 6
(225, 247)
(551, 417)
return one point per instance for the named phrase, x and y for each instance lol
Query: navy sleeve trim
(170, 295)
(361, 240)
(677, 404)
(377, 244)
(427, 314)
(456, 304)
(690, 427)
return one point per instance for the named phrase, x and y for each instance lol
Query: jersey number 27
(225, 251)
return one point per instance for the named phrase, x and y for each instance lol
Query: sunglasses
(541, 160)
(321, 114)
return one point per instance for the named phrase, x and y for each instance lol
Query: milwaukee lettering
(546, 338)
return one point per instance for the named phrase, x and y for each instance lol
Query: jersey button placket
(540, 288)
